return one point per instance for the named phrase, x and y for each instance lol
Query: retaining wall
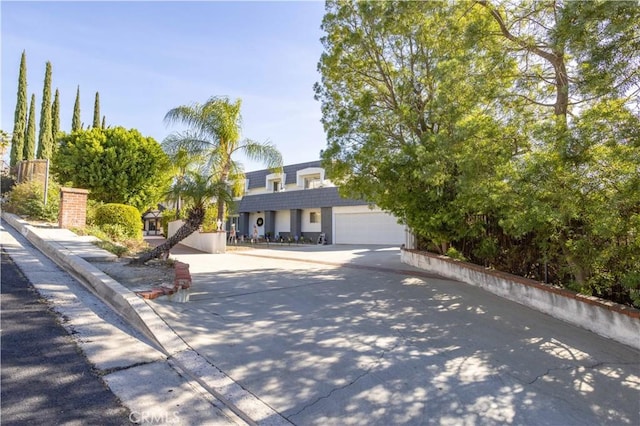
(618, 322)
(208, 242)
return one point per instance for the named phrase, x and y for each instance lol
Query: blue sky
(145, 58)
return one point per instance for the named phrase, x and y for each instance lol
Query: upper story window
(310, 178)
(311, 182)
(275, 182)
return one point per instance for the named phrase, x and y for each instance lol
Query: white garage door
(367, 228)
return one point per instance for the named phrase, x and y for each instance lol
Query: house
(300, 203)
(152, 221)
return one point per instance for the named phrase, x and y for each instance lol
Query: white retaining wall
(618, 322)
(209, 242)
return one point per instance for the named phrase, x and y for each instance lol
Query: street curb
(141, 316)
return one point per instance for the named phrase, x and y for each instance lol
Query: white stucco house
(300, 202)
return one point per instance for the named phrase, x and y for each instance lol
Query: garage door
(367, 228)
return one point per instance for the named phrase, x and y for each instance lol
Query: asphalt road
(45, 379)
(335, 345)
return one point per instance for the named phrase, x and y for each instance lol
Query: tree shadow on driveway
(325, 344)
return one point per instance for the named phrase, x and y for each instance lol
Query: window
(276, 185)
(313, 217)
(312, 182)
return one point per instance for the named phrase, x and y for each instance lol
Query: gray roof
(258, 178)
(300, 199)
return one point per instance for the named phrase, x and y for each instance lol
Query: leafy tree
(20, 120)
(117, 166)
(181, 164)
(55, 117)
(30, 140)
(45, 137)
(504, 132)
(214, 134)
(76, 122)
(198, 189)
(407, 107)
(96, 112)
(581, 164)
(104, 122)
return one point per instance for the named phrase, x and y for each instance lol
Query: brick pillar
(73, 208)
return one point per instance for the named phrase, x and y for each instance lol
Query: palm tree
(182, 163)
(214, 134)
(197, 190)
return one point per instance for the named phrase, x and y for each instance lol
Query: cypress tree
(96, 112)
(45, 138)
(76, 124)
(55, 118)
(104, 122)
(20, 120)
(30, 138)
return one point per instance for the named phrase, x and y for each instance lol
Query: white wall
(208, 242)
(283, 221)
(253, 218)
(307, 226)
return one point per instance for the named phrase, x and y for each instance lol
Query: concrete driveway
(376, 342)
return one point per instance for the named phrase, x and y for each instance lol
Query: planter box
(209, 242)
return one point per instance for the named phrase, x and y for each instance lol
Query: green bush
(119, 219)
(210, 222)
(7, 182)
(92, 208)
(27, 199)
(455, 254)
(168, 215)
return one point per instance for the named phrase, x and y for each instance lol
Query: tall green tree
(45, 137)
(587, 121)
(96, 112)
(76, 122)
(116, 165)
(505, 130)
(407, 98)
(214, 133)
(55, 117)
(104, 122)
(20, 117)
(29, 152)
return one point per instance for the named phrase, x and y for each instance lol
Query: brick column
(73, 208)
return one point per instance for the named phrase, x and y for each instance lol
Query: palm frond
(264, 152)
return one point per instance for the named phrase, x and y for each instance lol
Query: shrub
(27, 199)
(455, 254)
(120, 219)
(168, 215)
(210, 222)
(7, 182)
(92, 208)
